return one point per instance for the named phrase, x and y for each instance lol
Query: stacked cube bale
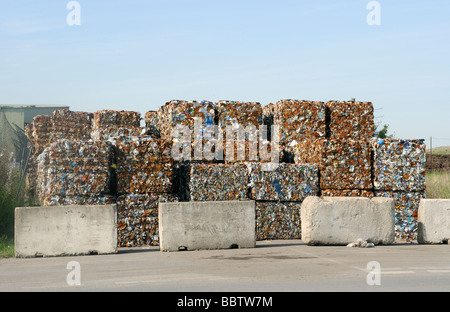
(240, 124)
(344, 154)
(72, 125)
(74, 172)
(345, 165)
(184, 123)
(73, 169)
(144, 178)
(111, 124)
(279, 189)
(399, 173)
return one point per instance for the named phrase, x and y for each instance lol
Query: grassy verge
(438, 184)
(6, 247)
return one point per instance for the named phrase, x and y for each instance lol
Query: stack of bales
(399, 173)
(144, 178)
(326, 148)
(279, 190)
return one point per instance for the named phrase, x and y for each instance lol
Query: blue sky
(139, 54)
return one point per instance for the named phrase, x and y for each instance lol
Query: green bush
(8, 201)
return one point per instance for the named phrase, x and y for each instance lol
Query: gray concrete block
(207, 225)
(343, 220)
(433, 221)
(65, 230)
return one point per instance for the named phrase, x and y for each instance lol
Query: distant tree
(383, 133)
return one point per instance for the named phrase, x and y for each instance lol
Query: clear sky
(139, 54)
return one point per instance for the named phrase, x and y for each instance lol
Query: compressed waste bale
(343, 164)
(278, 220)
(351, 120)
(67, 124)
(74, 168)
(399, 165)
(283, 181)
(348, 193)
(300, 119)
(154, 178)
(113, 118)
(239, 113)
(141, 152)
(406, 212)
(185, 113)
(137, 219)
(143, 165)
(214, 182)
(41, 128)
(110, 124)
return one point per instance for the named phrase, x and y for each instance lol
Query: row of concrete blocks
(83, 230)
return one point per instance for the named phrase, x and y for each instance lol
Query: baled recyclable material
(399, 164)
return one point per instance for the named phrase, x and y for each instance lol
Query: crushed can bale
(143, 165)
(111, 124)
(343, 164)
(74, 168)
(218, 182)
(232, 113)
(190, 114)
(406, 212)
(71, 125)
(351, 120)
(282, 181)
(399, 164)
(300, 119)
(278, 220)
(137, 219)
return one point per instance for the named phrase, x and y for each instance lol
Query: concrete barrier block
(343, 220)
(207, 225)
(433, 221)
(65, 230)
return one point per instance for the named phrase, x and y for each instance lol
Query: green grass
(6, 247)
(438, 184)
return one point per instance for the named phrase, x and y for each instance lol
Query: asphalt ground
(270, 267)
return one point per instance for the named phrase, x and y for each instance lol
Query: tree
(383, 133)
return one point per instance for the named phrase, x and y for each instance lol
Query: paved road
(288, 266)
